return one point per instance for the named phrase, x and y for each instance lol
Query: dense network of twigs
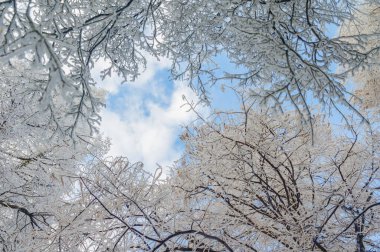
(274, 176)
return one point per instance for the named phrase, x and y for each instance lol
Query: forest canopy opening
(277, 171)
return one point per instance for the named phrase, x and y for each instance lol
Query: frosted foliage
(365, 22)
(370, 93)
(282, 49)
(38, 167)
(262, 186)
(248, 181)
(63, 39)
(253, 183)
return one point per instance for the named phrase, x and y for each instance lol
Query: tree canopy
(275, 175)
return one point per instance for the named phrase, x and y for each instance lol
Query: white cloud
(144, 121)
(148, 137)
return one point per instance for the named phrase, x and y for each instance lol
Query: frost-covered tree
(63, 40)
(285, 49)
(40, 165)
(286, 52)
(258, 183)
(136, 211)
(248, 181)
(123, 201)
(366, 21)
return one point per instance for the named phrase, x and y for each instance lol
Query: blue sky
(144, 118)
